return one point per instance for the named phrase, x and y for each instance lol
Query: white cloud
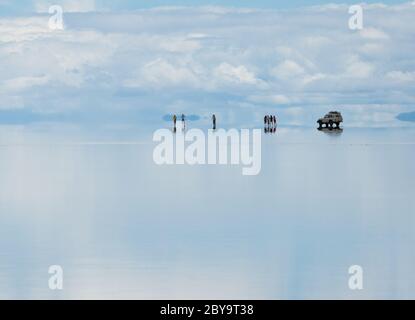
(373, 34)
(162, 73)
(255, 57)
(236, 74)
(270, 99)
(21, 83)
(401, 76)
(10, 102)
(288, 69)
(313, 77)
(22, 29)
(372, 49)
(358, 69)
(67, 5)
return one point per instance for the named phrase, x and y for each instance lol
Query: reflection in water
(272, 130)
(331, 131)
(111, 218)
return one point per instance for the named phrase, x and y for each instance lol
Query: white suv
(331, 119)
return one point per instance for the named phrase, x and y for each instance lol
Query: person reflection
(174, 123)
(183, 122)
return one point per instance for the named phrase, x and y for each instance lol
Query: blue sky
(28, 6)
(276, 4)
(236, 62)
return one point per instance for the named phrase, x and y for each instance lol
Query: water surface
(95, 203)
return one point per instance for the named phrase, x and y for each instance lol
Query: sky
(27, 6)
(226, 57)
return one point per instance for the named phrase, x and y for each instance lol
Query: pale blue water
(122, 227)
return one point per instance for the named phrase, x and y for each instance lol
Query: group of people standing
(183, 119)
(270, 124)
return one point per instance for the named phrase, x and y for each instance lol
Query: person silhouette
(214, 121)
(174, 121)
(183, 121)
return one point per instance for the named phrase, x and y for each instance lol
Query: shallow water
(122, 227)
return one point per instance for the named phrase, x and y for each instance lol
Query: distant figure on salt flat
(214, 122)
(183, 121)
(174, 121)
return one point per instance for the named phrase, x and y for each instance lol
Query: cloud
(235, 74)
(22, 83)
(150, 59)
(358, 69)
(401, 76)
(288, 69)
(67, 5)
(161, 73)
(277, 99)
(373, 34)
